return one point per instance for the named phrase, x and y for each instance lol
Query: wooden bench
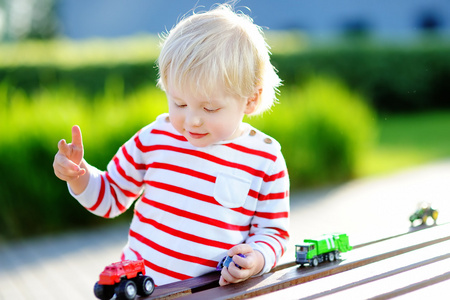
(413, 264)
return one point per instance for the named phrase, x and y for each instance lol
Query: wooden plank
(186, 287)
(365, 274)
(398, 284)
(440, 292)
(359, 257)
(435, 291)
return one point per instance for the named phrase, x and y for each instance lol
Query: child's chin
(199, 142)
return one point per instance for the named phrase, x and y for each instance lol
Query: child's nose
(194, 119)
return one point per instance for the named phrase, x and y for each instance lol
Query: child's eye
(210, 110)
(180, 105)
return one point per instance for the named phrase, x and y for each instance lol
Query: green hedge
(86, 66)
(33, 200)
(402, 78)
(323, 128)
(325, 131)
(392, 79)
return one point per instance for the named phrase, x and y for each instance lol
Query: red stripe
(281, 233)
(201, 155)
(116, 200)
(100, 195)
(171, 253)
(165, 271)
(195, 195)
(138, 255)
(175, 136)
(253, 194)
(273, 196)
(125, 192)
(270, 246)
(182, 170)
(231, 145)
(107, 213)
(252, 151)
(266, 215)
(159, 269)
(124, 175)
(183, 235)
(130, 159)
(274, 177)
(281, 246)
(195, 217)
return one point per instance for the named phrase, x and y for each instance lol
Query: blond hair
(218, 49)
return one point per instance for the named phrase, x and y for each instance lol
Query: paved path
(66, 266)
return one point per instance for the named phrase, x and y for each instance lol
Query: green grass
(408, 140)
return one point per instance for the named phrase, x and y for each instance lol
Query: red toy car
(126, 279)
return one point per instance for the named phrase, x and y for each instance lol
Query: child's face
(204, 122)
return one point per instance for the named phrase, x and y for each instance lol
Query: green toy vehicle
(326, 247)
(424, 211)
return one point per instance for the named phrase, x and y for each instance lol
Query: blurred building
(321, 19)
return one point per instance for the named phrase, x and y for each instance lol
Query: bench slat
(205, 287)
(399, 284)
(359, 257)
(362, 276)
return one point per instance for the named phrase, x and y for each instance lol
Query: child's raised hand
(68, 160)
(251, 264)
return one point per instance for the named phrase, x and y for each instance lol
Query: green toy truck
(423, 212)
(326, 247)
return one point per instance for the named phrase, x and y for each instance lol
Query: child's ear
(253, 101)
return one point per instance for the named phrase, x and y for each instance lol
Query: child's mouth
(197, 135)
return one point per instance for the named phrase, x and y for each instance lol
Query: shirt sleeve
(110, 193)
(269, 228)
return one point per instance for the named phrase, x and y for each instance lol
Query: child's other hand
(251, 264)
(68, 160)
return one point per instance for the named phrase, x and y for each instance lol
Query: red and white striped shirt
(196, 203)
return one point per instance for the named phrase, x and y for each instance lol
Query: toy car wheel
(331, 256)
(103, 292)
(126, 290)
(145, 285)
(315, 262)
(434, 215)
(424, 219)
(337, 254)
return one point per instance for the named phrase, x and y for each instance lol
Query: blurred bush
(391, 78)
(86, 66)
(397, 79)
(33, 200)
(324, 130)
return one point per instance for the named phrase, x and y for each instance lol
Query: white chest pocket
(230, 190)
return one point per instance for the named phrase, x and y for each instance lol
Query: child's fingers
(66, 175)
(74, 150)
(222, 281)
(66, 169)
(226, 277)
(77, 139)
(243, 262)
(240, 249)
(233, 274)
(64, 148)
(238, 274)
